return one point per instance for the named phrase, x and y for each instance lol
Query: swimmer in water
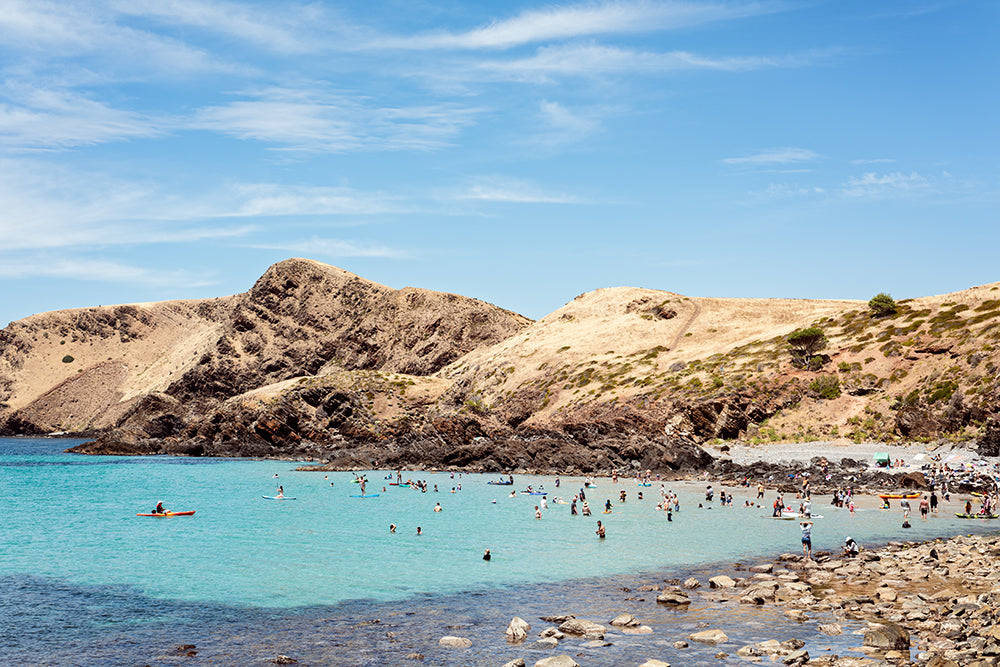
(600, 530)
(437, 508)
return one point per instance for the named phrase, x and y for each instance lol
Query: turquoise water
(72, 518)
(85, 582)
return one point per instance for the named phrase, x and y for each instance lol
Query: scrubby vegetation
(882, 305)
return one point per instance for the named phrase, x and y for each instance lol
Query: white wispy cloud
(507, 190)
(269, 199)
(45, 206)
(45, 33)
(311, 121)
(581, 20)
(95, 270)
(787, 191)
(332, 248)
(35, 118)
(885, 185)
(880, 160)
(774, 156)
(285, 28)
(595, 59)
(565, 125)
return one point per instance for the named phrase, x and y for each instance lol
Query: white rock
(517, 630)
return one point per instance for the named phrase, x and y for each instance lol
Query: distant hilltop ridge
(316, 362)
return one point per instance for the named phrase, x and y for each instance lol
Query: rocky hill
(315, 362)
(98, 368)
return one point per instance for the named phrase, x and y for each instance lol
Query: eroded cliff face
(303, 316)
(350, 419)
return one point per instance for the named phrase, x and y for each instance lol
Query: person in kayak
(159, 508)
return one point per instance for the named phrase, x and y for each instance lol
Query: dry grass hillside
(928, 370)
(78, 369)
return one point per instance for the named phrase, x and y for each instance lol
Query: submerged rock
(709, 637)
(455, 642)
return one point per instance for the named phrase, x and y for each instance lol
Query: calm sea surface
(84, 581)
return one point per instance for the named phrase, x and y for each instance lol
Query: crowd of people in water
(941, 479)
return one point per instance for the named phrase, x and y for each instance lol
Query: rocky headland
(314, 362)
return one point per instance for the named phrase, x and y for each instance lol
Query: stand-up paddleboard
(978, 516)
(367, 495)
(166, 513)
(278, 497)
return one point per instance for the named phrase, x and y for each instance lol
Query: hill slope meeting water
(315, 362)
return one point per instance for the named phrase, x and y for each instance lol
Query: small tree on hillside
(882, 305)
(805, 343)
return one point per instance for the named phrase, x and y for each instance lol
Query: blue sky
(520, 153)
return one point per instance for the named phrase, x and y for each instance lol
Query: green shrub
(882, 305)
(805, 343)
(67, 359)
(476, 404)
(826, 386)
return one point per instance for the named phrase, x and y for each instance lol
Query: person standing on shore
(807, 545)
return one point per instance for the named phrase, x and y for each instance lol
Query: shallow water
(85, 581)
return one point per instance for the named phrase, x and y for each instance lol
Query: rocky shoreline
(930, 604)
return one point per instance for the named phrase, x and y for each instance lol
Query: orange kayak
(168, 514)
